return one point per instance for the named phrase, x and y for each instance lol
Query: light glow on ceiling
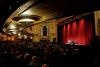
(14, 32)
(12, 26)
(26, 20)
(27, 12)
(25, 36)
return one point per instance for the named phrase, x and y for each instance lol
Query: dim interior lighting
(27, 17)
(25, 36)
(20, 35)
(26, 20)
(69, 41)
(20, 28)
(14, 32)
(26, 12)
(12, 26)
(31, 37)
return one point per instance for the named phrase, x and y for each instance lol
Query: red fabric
(64, 31)
(69, 31)
(80, 32)
(74, 31)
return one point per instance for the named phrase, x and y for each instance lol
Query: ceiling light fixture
(26, 20)
(27, 16)
(12, 26)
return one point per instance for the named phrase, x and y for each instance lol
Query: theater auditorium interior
(49, 33)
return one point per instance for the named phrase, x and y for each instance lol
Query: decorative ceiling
(36, 11)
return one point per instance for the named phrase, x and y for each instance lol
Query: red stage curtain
(64, 31)
(74, 31)
(80, 32)
(89, 31)
(85, 32)
(69, 32)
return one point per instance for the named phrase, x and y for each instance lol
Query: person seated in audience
(34, 62)
(44, 65)
(27, 58)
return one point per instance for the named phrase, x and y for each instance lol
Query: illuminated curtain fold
(69, 32)
(74, 32)
(81, 32)
(85, 32)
